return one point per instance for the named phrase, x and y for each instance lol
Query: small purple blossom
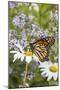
(30, 75)
(12, 43)
(23, 43)
(19, 20)
(38, 32)
(12, 39)
(11, 4)
(23, 40)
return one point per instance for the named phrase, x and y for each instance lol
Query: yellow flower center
(53, 69)
(28, 53)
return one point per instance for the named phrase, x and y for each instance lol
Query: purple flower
(19, 20)
(38, 32)
(12, 4)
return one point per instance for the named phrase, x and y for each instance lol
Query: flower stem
(26, 68)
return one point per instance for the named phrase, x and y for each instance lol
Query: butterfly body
(41, 47)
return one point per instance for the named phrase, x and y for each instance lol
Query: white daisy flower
(21, 54)
(49, 70)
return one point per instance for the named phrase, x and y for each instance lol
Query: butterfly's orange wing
(41, 47)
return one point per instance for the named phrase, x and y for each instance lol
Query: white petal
(46, 64)
(22, 58)
(13, 51)
(14, 60)
(17, 56)
(42, 69)
(43, 73)
(19, 46)
(49, 77)
(28, 59)
(55, 76)
(46, 75)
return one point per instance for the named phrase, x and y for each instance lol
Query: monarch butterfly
(41, 47)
